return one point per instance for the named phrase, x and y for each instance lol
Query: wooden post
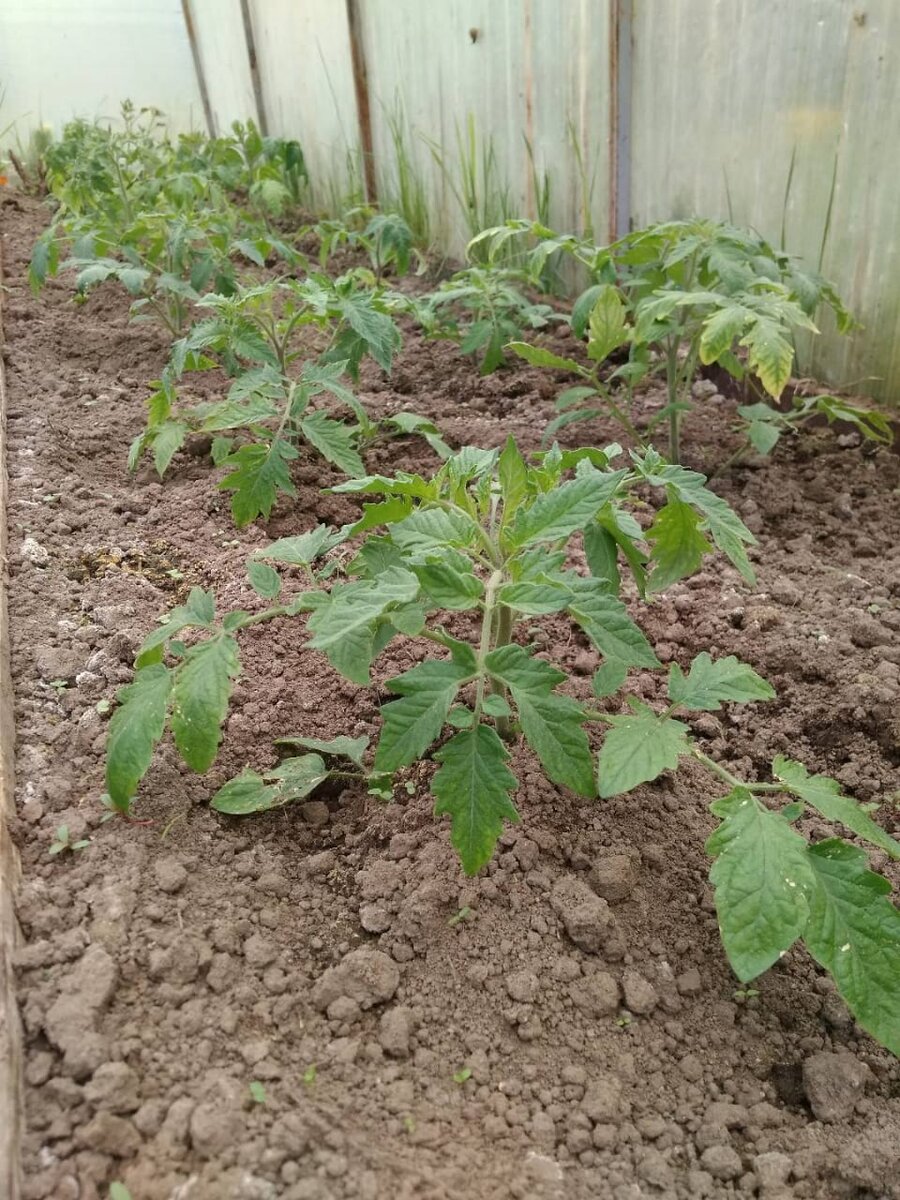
(198, 67)
(262, 120)
(363, 110)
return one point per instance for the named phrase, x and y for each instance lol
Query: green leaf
(496, 706)
(537, 356)
(44, 260)
(605, 620)
(135, 728)
(638, 747)
(710, 683)
(414, 721)
(825, 796)
(334, 441)
(602, 554)
(401, 485)
(376, 329)
(200, 699)
(728, 531)
(340, 747)
(429, 529)
(304, 549)
(678, 544)
(581, 309)
(763, 436)
(344, 626)
(450, 583)
(473, 785)
(552, 724)
(167, 438)
(513, 478)
(762, 879)
(249, 792)
(264, 580)
(607, 330)
(408, 422)
(609, 678)
(258, 474)
(408, 619)
(854, 932)
(535, 598)
(557, 514)
(200, 610)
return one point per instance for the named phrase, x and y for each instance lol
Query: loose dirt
(410, 1033)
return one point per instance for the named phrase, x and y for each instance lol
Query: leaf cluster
(667, 299)
(263, 337)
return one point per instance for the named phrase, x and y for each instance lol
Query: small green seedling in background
(257, 1092)
(118, 1191)
(463, 1074)
(483, 309)
(742, 995)
(310, 1075)
(463, 915)
(63, 841)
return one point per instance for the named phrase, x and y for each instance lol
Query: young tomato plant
(494, 312)
(677, 295)
(487, 538)
(260, 336)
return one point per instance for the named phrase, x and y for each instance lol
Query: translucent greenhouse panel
(306, 69)
(60, 60)
(488, 78)
(222, 46)
(779, 117)
(863, 249)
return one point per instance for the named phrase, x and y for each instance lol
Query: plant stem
(502, 637)
(732, 780)
(672, 394)
(487, 627)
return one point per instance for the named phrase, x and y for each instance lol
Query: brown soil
(170, 964)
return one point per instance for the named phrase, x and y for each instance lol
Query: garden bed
(169, 965)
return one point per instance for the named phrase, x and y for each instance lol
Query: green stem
(732, 780)
(672, 395)
(487, 628)
(625, 422)
(502, 637)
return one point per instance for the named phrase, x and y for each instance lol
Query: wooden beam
(363, 107)
(198, 67)
(262, 119)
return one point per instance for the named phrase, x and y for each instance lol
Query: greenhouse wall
(595, 116)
